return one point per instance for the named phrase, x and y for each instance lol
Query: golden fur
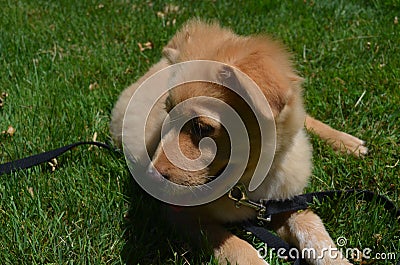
(268, 64)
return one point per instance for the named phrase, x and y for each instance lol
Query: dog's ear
(171, 54)
(172, 51)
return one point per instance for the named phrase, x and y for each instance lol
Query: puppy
(268, 64)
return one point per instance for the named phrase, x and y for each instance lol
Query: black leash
(301, 202)
(267, 209)
(277, 244)
(35, 160)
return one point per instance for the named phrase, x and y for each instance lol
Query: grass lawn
(64, 63)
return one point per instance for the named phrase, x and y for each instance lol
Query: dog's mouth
(188, 179)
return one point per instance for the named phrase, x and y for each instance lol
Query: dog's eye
(201, 130)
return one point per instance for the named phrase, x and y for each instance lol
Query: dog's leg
(306, 231)
(227, 248)
(340, 141)
(230, 248)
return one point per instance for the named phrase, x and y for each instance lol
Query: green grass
(89, 210)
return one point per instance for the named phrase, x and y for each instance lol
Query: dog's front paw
(239, 252)
(342, 262)
(331, 257)
(336, 262)
(240, 260)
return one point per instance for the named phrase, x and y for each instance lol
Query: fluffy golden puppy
(268, 64)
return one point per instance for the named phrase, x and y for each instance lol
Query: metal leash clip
(239, 195)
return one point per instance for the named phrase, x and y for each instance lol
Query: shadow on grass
(150, 238)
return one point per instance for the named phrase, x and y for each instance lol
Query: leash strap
(301, 202)
(35, 160)
(273, 242)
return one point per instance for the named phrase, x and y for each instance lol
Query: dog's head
(185, 143)
(196, 143)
